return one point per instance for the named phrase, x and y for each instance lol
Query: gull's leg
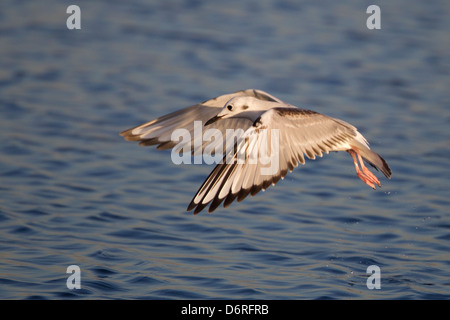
(366, 171)
(360, 174)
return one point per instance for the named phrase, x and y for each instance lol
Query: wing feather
(159, 131)
(301, 132)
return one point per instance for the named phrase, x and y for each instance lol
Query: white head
(243, 107)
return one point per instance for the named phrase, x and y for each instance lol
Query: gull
(300, 133)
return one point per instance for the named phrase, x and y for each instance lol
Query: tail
(373, 158)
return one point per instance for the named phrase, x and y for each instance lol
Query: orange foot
(365, 175)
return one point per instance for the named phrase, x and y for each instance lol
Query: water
(74, 192)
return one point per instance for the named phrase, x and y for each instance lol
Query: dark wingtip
(191, 205)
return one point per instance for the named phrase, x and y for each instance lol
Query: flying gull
(300, 133)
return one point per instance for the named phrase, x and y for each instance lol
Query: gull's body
(301, 133)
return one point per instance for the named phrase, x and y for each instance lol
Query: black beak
(212, 120)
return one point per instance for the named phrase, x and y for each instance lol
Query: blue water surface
(73, 192)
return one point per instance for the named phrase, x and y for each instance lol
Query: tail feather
(375, 160)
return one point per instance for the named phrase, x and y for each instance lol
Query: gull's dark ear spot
(245, 107)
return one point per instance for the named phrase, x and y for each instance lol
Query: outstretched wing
(159, 131)
(272, 146)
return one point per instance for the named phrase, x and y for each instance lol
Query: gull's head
(240, 107)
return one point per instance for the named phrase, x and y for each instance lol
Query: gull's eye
(230, 107)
